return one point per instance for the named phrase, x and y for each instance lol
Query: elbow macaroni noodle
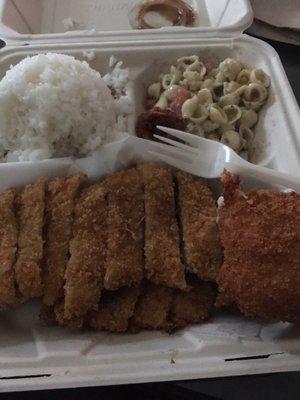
(224, 101)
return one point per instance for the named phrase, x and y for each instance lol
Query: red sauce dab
(176, 12)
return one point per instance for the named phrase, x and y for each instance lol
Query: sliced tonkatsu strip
(60, 202)
(125, 230)
(57, 316)
(201, 239)
(86, 266)
(31, 207)
(162, 242)
(153, 306)
(192, 306)
(115, 310)
(8, 247)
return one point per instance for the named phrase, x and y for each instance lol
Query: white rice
(118, 77)
(55, 106)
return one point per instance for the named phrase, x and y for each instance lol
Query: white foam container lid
(36, 357)
(43, 20)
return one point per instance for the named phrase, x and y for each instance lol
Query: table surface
(270, 386)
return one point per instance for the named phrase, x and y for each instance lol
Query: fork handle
(269, 175)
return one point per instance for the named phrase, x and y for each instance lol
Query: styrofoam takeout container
(36, 357)
(45, 20)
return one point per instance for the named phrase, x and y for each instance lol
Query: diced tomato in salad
(176, 105)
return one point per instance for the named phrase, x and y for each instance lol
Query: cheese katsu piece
(201, 239)
(8, 247)
(125, 225)
(31, 207)
(86, 266)
(260, 232)
(162, 243)
(193, 305)
(153, 307)
(115, 310)
(60, 201)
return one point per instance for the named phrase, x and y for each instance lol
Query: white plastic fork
(208, 159)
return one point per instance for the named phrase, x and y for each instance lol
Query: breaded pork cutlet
(125, 225)
(8, 248)
(193, 305)
(60, 202)
(31, 207)
(201, 239)
(153, 306)
(86, 266)
(260, 232)
(56, 315)
(115, 310)
(162, 242)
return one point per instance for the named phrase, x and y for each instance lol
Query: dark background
(256, 387)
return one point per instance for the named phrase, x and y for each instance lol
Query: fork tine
(186, 137)
(164, 149)
(174, 162)
(177, 144)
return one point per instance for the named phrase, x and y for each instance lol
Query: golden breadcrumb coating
(193, 305)
(201, 239)
(162, 242)
(72, 323)
(153, 307)
(31, 207)
(60, 202)
(8, 248)
(125, 225)
(115, 310)
(86, 266)
(260, 232)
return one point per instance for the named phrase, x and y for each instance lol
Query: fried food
(125, 261)
(201, 239)
(162, 243)
(153, 306)
(57, 313)
(86, 266)
(61, 195)
(260, 232)
(102, 229)
(115, 310)
(8, 248)
(193, 305)
(31, 207)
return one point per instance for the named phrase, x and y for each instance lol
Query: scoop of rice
(54, 106)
